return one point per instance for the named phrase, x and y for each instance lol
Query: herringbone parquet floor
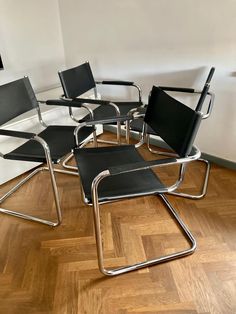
(46, 270)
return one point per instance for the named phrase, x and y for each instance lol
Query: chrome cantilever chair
(49, 146)
(79, 80)
(117, 172)
(145, 131)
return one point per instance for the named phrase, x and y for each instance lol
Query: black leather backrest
(76, 81)
(174, 122)
(16, 97)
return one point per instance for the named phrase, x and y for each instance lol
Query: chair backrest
(174, 122)
(205, 90)
(16, 97)
(77, 80)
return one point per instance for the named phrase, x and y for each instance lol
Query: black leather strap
(108, 82)
(177, 89)
(91, 101)
(26, 135)
(62, 102)
(78, 102)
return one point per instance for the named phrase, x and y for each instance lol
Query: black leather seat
(95, 160)
(59, 138)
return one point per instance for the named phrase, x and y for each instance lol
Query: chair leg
(29, 217)
(118, 142)
(204, 185)
(141, 141)
(147, 263)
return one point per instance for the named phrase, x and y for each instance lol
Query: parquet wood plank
(54, 271)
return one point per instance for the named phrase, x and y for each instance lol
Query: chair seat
(108, 111)
(59, 138)
(92, 161)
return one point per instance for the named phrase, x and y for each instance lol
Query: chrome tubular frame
(134, 113)
(204, 186)
(72, 115)
(151, 262)
(206, 176)
(70, 156)
(133, 85)
(127, 133)
(90, 111)
(76, 131)
(118, 124)
(117, 110)
(66, 160)
(139, 91)
(118, 127)
(54, 188)
(95, 91)
(210, 105)
(40, 116)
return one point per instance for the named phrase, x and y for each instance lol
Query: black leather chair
(78, 80)
(49, 146)
(117, 172)
(145, 131)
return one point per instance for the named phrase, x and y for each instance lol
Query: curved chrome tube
(210, 105)
(40, 117)
(54, 187)
(147, 263)
(139, 92)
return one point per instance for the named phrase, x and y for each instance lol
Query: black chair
(49, 146)
(79, 80)
(118, 172)
(145, 131)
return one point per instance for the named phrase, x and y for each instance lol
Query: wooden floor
(46, 270)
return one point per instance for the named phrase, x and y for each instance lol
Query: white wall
(162, 42)
(31, 41)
